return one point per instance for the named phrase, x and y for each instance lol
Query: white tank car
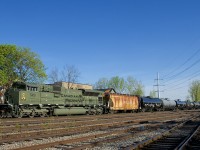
(168, 104)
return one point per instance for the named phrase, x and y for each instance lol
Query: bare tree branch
(70, 74)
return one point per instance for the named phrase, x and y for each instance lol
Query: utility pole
(158, 85)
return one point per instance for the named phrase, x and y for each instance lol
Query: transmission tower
(158, 85)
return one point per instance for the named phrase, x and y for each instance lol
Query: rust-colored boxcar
(122, 102)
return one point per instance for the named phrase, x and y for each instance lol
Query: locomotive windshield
(24, 86)
(19, 85)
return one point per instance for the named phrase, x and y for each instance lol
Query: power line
(196, 52)
(185, 79)
(171, 77)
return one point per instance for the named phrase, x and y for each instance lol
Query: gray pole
(158, 89)
(158, 85)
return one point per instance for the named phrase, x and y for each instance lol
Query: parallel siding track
(174, 139)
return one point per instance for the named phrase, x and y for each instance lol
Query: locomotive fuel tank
(69, 111)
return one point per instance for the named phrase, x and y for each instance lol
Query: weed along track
(79, 132)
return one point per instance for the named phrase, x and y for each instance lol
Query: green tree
(128, 86)
(134, 87)
(20, 64)
(7, 63)
(139, 90)
(152, 94)
(194, 90)
(29, 67)
(117, 83)
(102, 83)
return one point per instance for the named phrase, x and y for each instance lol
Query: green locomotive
(24, 99)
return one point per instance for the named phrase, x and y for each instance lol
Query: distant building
(74, 85)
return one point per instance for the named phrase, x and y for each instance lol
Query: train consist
(31, 100)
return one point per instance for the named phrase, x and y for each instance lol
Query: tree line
(121, 85)
(21, 64)
(194, 90)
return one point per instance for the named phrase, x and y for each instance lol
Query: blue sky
(106, 38)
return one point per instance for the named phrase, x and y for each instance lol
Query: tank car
(180, 104)
(189, 105)
(31, 100)
(151, 104)
(196, 105)
(168, 104)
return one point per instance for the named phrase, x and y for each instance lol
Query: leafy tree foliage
(117, 83)
(20, 64)
(7, 63)
(194, 90)
(102, 83)
(121, 85)
(134, 87)
(152, 94)
(29, 67)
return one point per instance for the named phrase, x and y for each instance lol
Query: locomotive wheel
(99, 112)
(43, 114)
(2, 115)
(20, 114)
(31, 115)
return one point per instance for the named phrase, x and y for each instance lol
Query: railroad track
(60, 119)
(178, 138)
(74, 128)
(99, 138)
(193, 141)
(49, 125)
(96, 132)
